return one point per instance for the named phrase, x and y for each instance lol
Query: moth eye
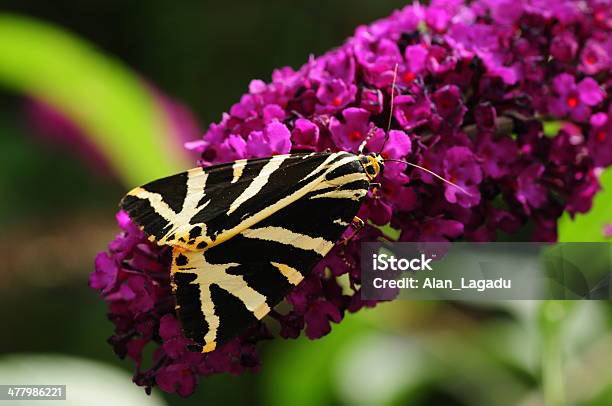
(370, 170)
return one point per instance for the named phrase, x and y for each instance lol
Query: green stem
(552, 315)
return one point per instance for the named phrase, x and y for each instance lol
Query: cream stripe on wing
(238, 168)
(352, 194)
(340, 180)
(156, 201)
(196, 183)
(197, 265)
(208, 309)
(234, 284)
(288, 237)
(293, 275)
(258, 183)
(273, 208)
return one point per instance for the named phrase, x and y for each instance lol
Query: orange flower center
(572, 101)
(337, 101)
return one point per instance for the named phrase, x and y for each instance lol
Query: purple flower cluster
(475, 85)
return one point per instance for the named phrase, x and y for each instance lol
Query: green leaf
(589, 226)
(106, 100)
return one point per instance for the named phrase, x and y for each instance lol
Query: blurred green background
(105, 64)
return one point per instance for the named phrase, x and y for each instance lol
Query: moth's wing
(222, 290)
(205, 206)
(164, 205)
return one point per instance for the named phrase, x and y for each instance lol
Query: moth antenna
(391, 109)
(387, 138)
(431, 173)
(392, 98)
(371, 133)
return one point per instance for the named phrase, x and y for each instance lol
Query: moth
(244, 233)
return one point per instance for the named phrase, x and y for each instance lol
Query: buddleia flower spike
(171, 288)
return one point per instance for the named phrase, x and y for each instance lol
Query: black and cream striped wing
(224, 289)
(206, 206)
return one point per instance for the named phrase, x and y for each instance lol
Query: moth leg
(357, 224)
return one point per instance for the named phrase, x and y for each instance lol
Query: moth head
(373, 165)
